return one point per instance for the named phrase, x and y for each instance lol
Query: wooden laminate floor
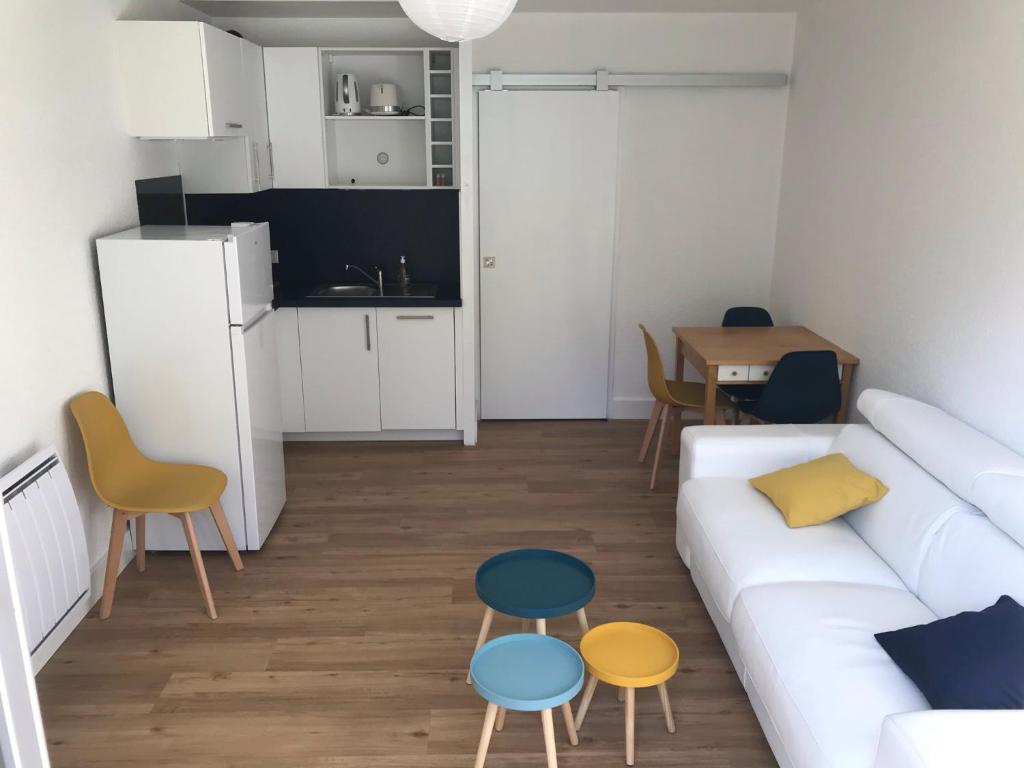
(345, 641)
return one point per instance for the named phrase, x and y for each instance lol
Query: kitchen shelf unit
(392, 151)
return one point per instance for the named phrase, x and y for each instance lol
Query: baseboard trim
(630, 408)
(389, 435)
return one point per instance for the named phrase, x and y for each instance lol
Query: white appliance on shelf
(193, 356)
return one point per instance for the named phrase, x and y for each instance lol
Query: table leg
(542, 626)
(499, 724)
(710, 394)
(588, 695)
(680, 360)
(666, 707)
(581, 616)
(570, 726)
(548, 723)
(485, 627)
(630, 723)
(485, 734)
(844, 394)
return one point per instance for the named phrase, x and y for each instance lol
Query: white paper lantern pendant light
(457, 20)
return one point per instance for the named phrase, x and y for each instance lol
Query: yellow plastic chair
(134, 485)
(668, 396)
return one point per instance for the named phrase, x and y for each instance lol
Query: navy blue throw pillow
(974, 660)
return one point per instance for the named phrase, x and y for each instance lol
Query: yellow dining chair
(134, 485)
(669, 395)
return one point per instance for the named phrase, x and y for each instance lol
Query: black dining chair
(747, 317)
(803, 389)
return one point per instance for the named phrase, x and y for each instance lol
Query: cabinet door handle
(233, 125)
(256, 167)
(366, 318)
(270, 156)
(415, 317)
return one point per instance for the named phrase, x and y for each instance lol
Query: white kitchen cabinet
(295, 115)
(181, 79)
(417, 367)
(256, 125)
(340, 382)
(289, 368)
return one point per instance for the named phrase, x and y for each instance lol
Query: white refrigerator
(193, 357)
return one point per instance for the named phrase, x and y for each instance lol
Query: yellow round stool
(630, 656)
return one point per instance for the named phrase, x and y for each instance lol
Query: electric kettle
(346, 95)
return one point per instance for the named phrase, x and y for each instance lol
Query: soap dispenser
(404, 281)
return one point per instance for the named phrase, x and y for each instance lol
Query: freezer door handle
(367, 319)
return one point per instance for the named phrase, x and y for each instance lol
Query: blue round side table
(526, 673)
(534, 585)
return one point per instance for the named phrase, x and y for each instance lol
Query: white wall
(699, 170)
(901, 228)
(68, 176)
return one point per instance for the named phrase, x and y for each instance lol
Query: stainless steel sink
(342, 291)
(391, 291)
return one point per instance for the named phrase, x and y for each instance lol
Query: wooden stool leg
(197, 563)
(588, 695)
(622, 694)
(666, 707)
(499, 724)
(118, 523)
(581, 616)
(485, 735)
(548, 723)
(630, 723)
(570, 726)
(657, 451)
(651, 424)
(221, 521)
(485, 627)
(140, 543)
(542, 626)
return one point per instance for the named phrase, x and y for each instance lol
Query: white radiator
(50, 559)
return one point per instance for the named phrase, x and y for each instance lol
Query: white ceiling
(390, 8)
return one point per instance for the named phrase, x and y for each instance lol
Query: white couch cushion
(737, 538)
(900, 525)
(811, 656)
(970, 564)
(952, 738)
(973, 465)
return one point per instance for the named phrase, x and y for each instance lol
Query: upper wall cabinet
(294, 112)
(182, 79)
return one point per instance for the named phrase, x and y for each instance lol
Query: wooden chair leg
(651, 424)
(485, 734)
(221, 520)
(118, 523)
(499, 724)
(140, 543)
(548, 724)
(197, 563)
(666, 707)
(542, 626)
(588, 695)
(485, 627)
(581, 617)
(657, 451)
(630, 723)
(570, 726)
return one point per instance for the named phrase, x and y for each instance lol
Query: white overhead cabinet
(295, 115)
(366, 369)
(204, 88)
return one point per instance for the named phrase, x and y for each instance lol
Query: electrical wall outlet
(488, 262)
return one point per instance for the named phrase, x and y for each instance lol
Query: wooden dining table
(748, 355)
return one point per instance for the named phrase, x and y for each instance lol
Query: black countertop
(286, 295)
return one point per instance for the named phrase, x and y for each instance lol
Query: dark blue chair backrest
(748, 317)
(803, 389)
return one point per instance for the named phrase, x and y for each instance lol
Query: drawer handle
(415, 317)
(233, 125)
(733, 373)
(366, 318)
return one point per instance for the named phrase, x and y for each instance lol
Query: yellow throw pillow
(820, 490)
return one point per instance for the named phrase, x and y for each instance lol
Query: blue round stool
(533, 584)
(526, 673)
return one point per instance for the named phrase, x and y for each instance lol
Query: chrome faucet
(379, 280)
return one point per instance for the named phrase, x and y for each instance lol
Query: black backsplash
(160, 200)
(317, 231)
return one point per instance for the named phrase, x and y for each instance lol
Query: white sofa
(798, 609)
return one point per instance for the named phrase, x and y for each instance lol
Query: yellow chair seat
(629, 655)
(158, 487)
(690, 394)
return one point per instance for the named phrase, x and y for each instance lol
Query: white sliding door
(547, 220)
